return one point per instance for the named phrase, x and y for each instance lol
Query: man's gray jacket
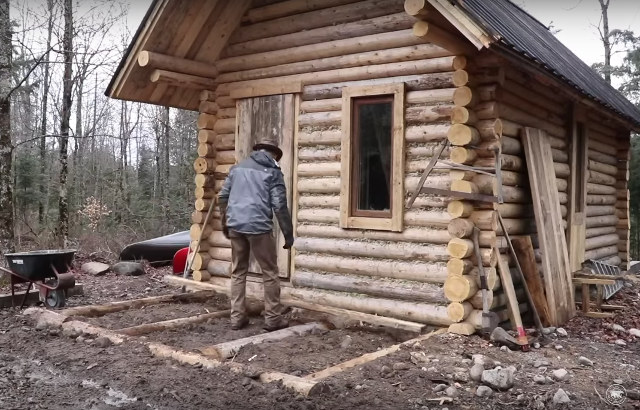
(253, 190)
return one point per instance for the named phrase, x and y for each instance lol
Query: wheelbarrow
(48, 270)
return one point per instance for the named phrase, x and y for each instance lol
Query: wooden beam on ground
(368, 357)
(226, 350)
(182, 80)
(600, 315)
(375, 320)
(171, 324)
(171, 63)
(101, 310)
(298, 384)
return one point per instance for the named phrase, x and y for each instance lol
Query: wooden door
(262, 116)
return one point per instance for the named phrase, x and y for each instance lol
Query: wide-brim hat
(269, 146)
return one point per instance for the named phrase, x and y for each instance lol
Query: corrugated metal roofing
(525, 35)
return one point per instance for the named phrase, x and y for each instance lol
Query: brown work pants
(263, 247)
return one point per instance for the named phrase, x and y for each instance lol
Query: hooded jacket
(253, 190)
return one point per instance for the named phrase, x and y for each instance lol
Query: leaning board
(553, 244)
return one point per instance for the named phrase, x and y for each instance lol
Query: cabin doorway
(269, 115)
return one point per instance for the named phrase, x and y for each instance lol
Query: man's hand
(288, 243)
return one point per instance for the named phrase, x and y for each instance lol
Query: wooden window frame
(377, 220)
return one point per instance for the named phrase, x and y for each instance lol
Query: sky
(576, 19)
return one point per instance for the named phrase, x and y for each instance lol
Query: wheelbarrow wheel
(55, 299)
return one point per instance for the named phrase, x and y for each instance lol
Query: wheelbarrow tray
(39, 265)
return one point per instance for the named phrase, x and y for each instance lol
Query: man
(252, 192)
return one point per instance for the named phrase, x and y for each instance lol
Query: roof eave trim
(474, 32)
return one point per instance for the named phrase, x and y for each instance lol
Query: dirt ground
(45, 369)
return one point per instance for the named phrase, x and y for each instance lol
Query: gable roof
(517, 31)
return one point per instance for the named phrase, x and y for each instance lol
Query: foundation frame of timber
(301, 65)
(221, 354)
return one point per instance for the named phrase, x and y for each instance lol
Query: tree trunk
(43, 121)
(166, 160)
(63, 205)
(6, 147)
(606, 40)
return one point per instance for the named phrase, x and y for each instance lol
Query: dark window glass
(372, 156)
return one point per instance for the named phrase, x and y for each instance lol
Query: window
(372, 177)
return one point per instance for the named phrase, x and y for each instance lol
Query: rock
(346, 342)
(584, 361)
(440, 387)
(451, 391)
(540, 363)
(484, 391)
(504, 349)
(462, 377)
(42, 326)
(498, 378)
(559, 347)
(561, 332)
(500, 337)
(634, 332)
(561, 397)
(475, 373)
(95, 268)
(618, 381)
(536, 345)
(548, 330)
(560, 375)
(483, 360)
(618, 329)
(128, 269)
(419, 358)
(71, 333)
(466, 361)
(539, 379)
(102, 342)
(54, 332)
(246, 381)
(80, 339)
(620, 342)
(401, 366)
(385, 370)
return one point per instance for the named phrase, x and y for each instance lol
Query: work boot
(281, 323)
(239, 324)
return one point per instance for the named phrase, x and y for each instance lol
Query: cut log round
(201, 275)
(460, 248)
(204, 165)
(459, 266)
(463, 96)
(460, 209)
(458, 312)
(460, 228)
(486, 220)
(461, 155)
(461, 134)
(463, 186)
(459, 288)
(416, 8)
(463, 115)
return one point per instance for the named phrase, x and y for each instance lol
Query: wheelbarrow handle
(6, 270)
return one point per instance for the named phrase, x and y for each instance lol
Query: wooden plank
(524, 249)
(171, 324)
(593, 281)
(600, 315)
(576, 232)
(546, 203)
(509, 290)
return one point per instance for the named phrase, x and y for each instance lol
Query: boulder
(475, 373)
(499, 378)
(128, 269)
(561, 397)
(95, 268)
(560, 375)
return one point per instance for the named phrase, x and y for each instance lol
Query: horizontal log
(433, 218)
(426, 133)
(601, 253)
(597, 210)
(393, 269)
(598, 189)
(416, 312)
(508, 163)
(208, 107)
(217, 239)
(345, 13)
(605, 220)
(222, 254)
(412, 83)
(605, 148)
(442, 69)
(392, 55)
(411, 291)
(420, 235)
(492, 109)
(427, 113)
(600, 231)
(178, 64)
(512, 129)
(319, 169)
(402, 251)
(489, 129)
(601, 241)
(182, 80)
(595, 177)
(225, 157)
(225, 126)
(603, 168)
(602, 158)
(508, 146)
(601, 199)
(325, 137)
(430, 32)
(219, 268)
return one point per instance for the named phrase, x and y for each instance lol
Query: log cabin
(406, 126)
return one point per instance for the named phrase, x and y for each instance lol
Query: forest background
(78, 169)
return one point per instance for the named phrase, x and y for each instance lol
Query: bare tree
(6, 147)
(43, 120)
(605, 36)
(67, 48)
